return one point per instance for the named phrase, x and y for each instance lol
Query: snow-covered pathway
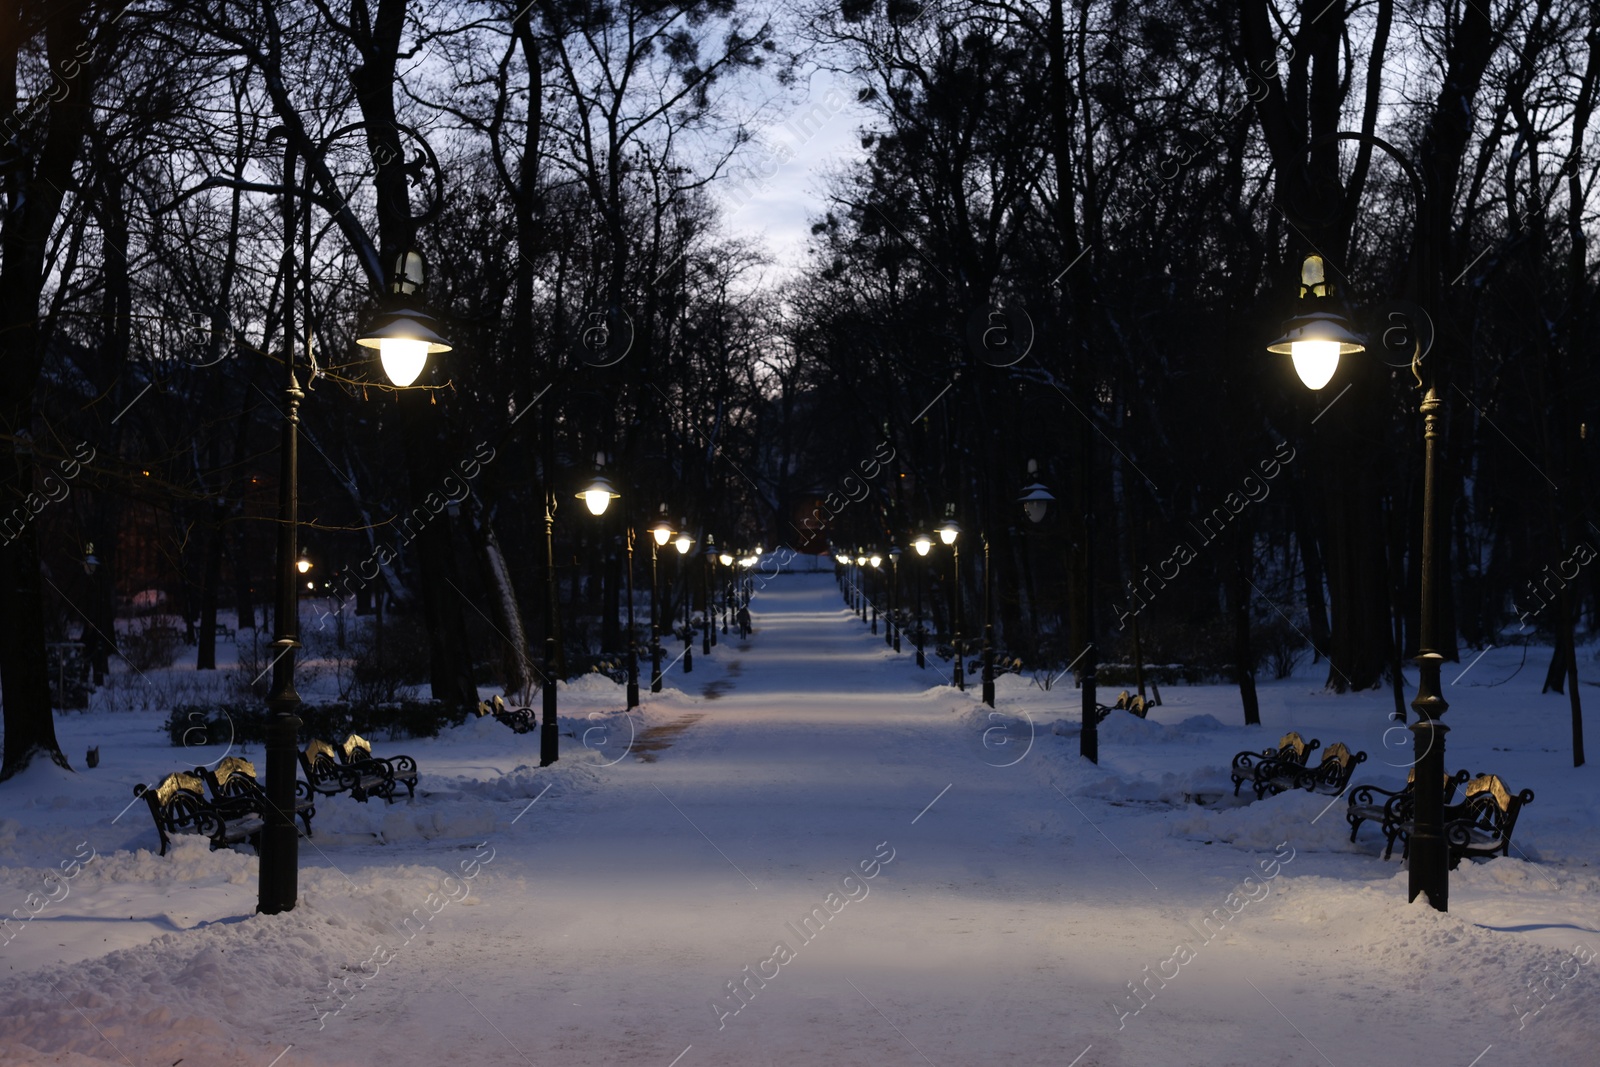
(819, 861)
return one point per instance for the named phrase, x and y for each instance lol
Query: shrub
(151, 643)
(192, 725)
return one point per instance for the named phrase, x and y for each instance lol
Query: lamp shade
(922, 544)
(725, 559)
(949, 532)
(598, 494)
(684, 543)
(404, 336)
(1035, 501)
(1315, 341)
(1321, 333)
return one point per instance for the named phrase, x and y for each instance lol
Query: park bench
(355, 752)
(1330, 777)
(235, 778)
(1004, 663)
(521, 720)
(1481, 824)
(1390, 809)
(223, 630)
(327, 773)
(178, 805)
(1292, 748)
(1135, 705)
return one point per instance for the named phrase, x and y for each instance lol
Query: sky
(775, 187)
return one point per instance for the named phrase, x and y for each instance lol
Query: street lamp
(923, 544)
(727, 588)
(988, 625)
(403, 333)
(708, 632)
(1320, 333)
(404, 336)
(1315, 339)
(683, 543)
(949, 530)
(1035, 498)
(660, 534)
(875, 561)
(894, 595)
(598, 494)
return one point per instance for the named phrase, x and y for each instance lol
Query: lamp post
(949, 531)
(727, 589)
(683, 543)
(875, 561)
(1315, 339)
(633, 641)
(708, 629)
(1035, 501)
(279, 876)
(988, 626)
(923, 544)
(894, 595)
(660, 534)
(404, 336)
(597, 495)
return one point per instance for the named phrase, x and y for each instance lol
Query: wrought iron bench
(235, 778)
(1292, 748)
(1133, 704)
(1481, 824)
(328, 775)
(521, 720)
(1392, 808)
(178, 805)
(1330, 777)
(355, 752)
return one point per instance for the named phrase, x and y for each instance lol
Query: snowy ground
(968, 903)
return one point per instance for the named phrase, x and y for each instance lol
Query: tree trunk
(34, 185)
(502, 602)
(1244, 558)
(443, 600)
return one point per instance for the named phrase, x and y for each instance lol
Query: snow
(627, 905)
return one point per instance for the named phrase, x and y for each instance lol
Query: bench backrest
(320, 755)
(1491, 785)
(1489, 805)
(1339, 754)
(1293, 746)
(174, 785)
(355, 749)
(231, 766)
(178, 801)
